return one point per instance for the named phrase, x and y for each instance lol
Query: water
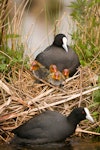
(74, 144)
(38, 24)
(39, 30)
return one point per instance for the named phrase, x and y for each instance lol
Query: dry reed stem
(88, 132)
(5, 87)
(21, 98)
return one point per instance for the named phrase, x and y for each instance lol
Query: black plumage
(49, 127)
(60, 54)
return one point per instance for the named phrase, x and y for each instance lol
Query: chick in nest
(65, 72)
(38, 70)
(55, 77)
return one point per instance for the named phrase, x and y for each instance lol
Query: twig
(81, 76)
(71, 97)
(6, 55)
(5, 87)
(88, 132)
(5, 104)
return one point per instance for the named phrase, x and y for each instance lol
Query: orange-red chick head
(35, 65)
(53, 68)
(56, 76)
(65, 72)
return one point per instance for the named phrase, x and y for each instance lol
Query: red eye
(83, 112)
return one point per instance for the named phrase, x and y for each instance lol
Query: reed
(21, 98)
(87, 36)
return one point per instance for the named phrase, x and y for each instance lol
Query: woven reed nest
(21, 98)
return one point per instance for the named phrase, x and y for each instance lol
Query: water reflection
(72, 145)
(41, 147)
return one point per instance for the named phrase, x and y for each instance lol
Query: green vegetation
(86, 14)
(10, 58)
(87, 36)
(11, 48)
(52, 10)
(96, 98)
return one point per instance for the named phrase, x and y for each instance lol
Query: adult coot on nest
(60, 54)
(50, 127)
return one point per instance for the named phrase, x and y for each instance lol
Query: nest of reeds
(21, 98)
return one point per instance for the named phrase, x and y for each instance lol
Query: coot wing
(59, 57)
(39, 126)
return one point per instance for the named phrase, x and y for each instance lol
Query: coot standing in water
(50, 127)
(60, 54)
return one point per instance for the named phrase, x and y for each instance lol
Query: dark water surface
(74, 144)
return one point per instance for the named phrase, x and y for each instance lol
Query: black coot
(60, 54)
(50, 127)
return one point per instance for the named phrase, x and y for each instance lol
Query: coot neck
(56, 44)
(60, 46)
(73, 119)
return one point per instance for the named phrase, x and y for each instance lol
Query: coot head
(61, 40)
(79, 114)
